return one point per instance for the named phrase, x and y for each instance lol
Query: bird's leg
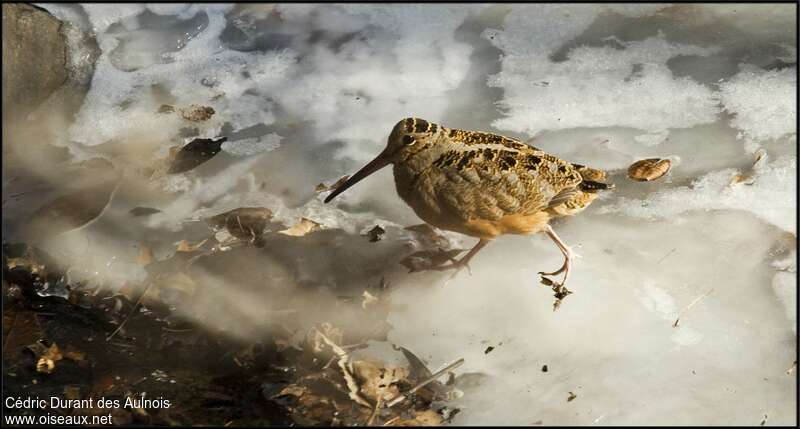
(458, 265)
(568, 256)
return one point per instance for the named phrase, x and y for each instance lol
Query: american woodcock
(483, 185)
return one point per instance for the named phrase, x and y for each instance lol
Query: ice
(307, 93)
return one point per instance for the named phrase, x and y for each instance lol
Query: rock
(43, 56)
(47, 69)
(34, 58)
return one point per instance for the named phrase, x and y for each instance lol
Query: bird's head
(409, 137)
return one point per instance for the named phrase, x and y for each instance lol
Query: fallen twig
(437, 374)
(348, 373)
(135, 306)
(696, 300)
(392, 420)
(375, 411)
(665, 256)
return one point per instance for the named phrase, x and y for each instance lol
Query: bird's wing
(478, 138)
(492, 182)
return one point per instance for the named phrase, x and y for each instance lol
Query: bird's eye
(409, 140)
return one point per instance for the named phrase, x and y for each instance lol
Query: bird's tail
(593, 179)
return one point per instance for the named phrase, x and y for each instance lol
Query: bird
(483, 185)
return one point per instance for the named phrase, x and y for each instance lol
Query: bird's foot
(554, 273)
(559, 291)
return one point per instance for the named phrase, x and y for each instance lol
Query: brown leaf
(245, 223)
(194, 153)
(46, 363)
(571, 397)
(737, 178)
(375, 233)
(326, 330)
(145, 256)
(293, 390)
(75, 355)
(369, 299)
(305, 226)
(185, 246)
(377, 380)
(196, 113)
(166, 108)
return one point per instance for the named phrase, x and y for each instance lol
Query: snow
(764, 103)
(308, 93)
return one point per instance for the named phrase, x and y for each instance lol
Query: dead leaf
(26, 262)
(196, 113)
(369, 299)
(571, 397)
(305, 226)
(375, 234)
(46, 363)
(352, 385)
(326, 330)
(378, 381)
(185, 246)
(75, 356)
(166, 108)
(293, 390)
(194, 153)
(145, 256)
(745, 179)
(426, 382)
(244, 223)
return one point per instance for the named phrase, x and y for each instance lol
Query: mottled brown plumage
(482, 184)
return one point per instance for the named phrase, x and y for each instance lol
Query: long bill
(376, 164)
